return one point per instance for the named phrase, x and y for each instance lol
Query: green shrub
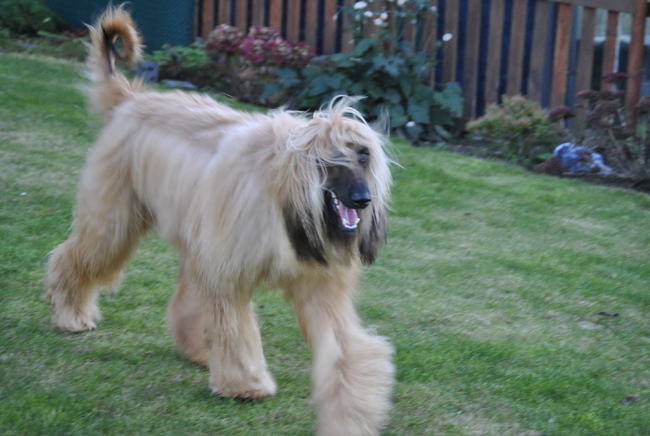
(519, 130)
(189, 63)
(391, 72)
(396, 84)
(28, 17)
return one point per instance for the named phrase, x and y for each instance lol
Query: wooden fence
(496, 47)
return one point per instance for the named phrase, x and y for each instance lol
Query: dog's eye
(363, 156)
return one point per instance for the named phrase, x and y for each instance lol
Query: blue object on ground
(576, 159)
(179, 84)
(148, 70)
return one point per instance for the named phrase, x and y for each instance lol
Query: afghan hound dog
(282, 200)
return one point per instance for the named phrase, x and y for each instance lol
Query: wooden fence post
(517, 40)
(586, 61)
(450, 47)
(329, 26)
(495, 42)
(561, 54)
(207, 18)
(635, 65)
(539, 50)
(224, 12)
(470, 68)
(609, 47)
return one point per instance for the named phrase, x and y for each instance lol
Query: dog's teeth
(358, 220)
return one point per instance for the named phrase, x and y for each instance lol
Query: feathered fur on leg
(185, 318)
(352, 373)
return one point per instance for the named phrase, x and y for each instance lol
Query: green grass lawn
(490, 289)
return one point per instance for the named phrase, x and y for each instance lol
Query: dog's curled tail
(111, 87)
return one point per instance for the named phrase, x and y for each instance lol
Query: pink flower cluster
(262, 46)
(224, 38)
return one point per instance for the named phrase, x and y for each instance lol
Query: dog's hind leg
(235, 357)
(109, 222)
(352, 373)
(185, 318)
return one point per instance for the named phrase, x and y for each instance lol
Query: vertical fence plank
(470, 69)
(224, 11)
(275, 15)
(429, 36)
(495, 40)
(635, 63)
(586, 49)
(311, 22)
(450, 48)
(369, 29)
(585, 65)
(390, 46)
(293, 20)
(347, 38)
(258, 8)
(517, 40)
(329, 24)
(207, 19)
(409, 31)
(561, 54)
(241, 15)
(609, 48)
(538, 51)
(430, 28)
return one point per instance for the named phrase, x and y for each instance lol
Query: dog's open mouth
(348, 218)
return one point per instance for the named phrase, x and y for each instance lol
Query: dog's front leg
(352, 373)
(235, 357)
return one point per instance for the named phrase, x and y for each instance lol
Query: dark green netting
(160, 21)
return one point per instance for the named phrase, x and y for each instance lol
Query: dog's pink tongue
(349, 217)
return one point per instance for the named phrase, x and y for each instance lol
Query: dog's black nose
(360, 200)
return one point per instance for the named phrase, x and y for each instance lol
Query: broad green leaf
(418, 111)
(392, 95)
(271, 89)
(397, 116)
(364, 46)
(451, 97)
(286, 73)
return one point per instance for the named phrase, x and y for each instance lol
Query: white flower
(360, 5)
(410, 124)
(433, 9)
(384, 16)
(447, 37)
(367, 14)
(401, 2)
(378, 21)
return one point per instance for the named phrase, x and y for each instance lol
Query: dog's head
(346, 191)
(345, 184)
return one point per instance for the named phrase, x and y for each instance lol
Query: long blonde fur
(225, 187)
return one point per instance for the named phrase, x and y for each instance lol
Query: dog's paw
(71, 320)
(75, 326)
(256, 389)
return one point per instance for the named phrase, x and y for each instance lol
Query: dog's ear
(374, 238)
(304, 238)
